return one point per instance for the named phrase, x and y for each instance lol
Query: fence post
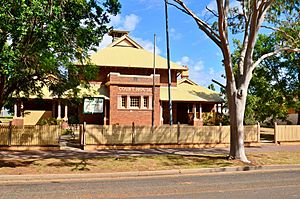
(133, 134)
(83, 135)
(178, 132)
(9, 133)
(275, 133)
(80, 134)
(258, 132)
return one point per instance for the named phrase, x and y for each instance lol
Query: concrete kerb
(6, 179)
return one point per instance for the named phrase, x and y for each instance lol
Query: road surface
(251, 184)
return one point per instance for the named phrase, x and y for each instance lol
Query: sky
(188, 45)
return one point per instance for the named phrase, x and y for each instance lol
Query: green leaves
(40, 37)
(275, 84)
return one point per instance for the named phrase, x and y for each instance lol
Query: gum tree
(246, 19)
(275, 84)
(40, 40)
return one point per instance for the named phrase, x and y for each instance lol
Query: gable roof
(125, 41)
(187, 90)
(125, 52)
(187, 81)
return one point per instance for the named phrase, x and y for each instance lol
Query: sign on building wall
(93, 105)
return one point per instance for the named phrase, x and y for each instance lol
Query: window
(146, 102)
(134, 102)
(123, 101)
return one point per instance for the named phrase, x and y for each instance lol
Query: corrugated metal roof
(125, 52)
(95, 90)
(118, 56)
(187, 90)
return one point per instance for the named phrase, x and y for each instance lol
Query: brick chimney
(185, 73)
(116, 34)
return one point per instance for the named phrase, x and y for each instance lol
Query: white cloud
(174, 34)
(147, 45)
(184, 61)
(211, 71)
(115, 20)
(130, 22)
(105, 42)
(199, 66)
(200, 73)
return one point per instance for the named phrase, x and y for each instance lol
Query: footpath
(73, 152)
(76, 153)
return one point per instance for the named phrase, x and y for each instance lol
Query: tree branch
(179, 8)
(211, 11)
(287, 49)
(279, 30)
(259, 11)
(245, 39)
(223, 31)
(201, 24)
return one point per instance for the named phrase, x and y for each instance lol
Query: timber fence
(163, 135)
(29, 135)
(287, 134)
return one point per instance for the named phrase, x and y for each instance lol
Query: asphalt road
(251, 184)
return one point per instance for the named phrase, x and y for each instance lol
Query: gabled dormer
(121, 39)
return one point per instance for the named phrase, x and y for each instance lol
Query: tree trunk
(237, 102)
(2, 94)
(298, 97)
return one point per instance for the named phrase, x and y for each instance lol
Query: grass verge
(138, 163)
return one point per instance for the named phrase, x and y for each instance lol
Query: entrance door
(182, 113)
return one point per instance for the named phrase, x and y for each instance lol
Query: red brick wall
(104, 71)
(132, 86)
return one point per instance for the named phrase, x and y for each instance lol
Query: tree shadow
(16, 163)
(76, 165)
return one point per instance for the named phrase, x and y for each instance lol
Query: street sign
(93, 105)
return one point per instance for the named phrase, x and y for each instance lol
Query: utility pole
(168, 62)
(153, 88)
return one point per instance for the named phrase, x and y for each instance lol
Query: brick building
(125, 84)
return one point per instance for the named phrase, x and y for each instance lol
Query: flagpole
(168, 62)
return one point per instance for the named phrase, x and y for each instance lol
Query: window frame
(138, 101)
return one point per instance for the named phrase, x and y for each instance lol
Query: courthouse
(128, 91)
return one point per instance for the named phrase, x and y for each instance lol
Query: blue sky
(188, 45)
